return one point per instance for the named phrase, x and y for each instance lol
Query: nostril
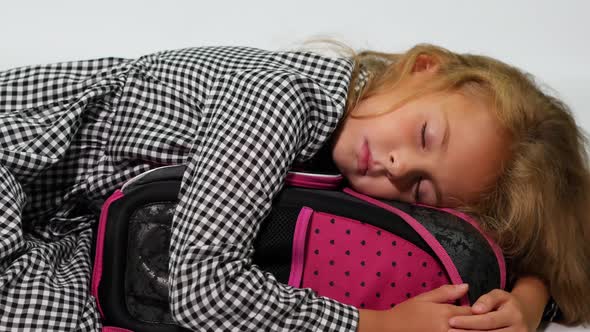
(391, 159)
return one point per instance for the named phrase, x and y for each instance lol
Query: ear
(425, 64)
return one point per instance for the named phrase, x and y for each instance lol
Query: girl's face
(440, 149)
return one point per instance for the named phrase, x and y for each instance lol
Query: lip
(364, 159)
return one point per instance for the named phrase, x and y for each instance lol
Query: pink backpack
(344, 245)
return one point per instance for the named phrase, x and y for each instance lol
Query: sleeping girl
(427, 126)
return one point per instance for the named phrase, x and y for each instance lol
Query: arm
(534, 294)
(520, 309)
(253, 125)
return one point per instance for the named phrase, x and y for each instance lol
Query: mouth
(364, 158)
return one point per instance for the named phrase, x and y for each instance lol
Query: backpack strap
(313, 180)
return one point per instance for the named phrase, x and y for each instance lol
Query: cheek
(341, 150)
(394, 129)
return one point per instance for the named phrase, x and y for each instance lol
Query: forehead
(477, 146)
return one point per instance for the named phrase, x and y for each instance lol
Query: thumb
(445, 294)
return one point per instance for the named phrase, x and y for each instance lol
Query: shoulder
(250, 58)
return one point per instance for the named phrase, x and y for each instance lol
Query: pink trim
(114, 329)
(494, 245)
(423, 232)
(298, 258)
(313, 181)
(97, 271)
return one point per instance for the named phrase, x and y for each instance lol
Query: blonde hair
(537, 208)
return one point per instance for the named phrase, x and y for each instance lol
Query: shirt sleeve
(254, 124)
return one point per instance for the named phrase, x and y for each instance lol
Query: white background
(549, 39)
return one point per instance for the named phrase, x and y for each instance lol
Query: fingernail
(478, 307)
(462, 286)
(452, 321)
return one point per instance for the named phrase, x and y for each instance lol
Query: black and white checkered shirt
(238, 117)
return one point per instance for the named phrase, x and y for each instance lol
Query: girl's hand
(520, 310)
(428, 312)
(498, 310)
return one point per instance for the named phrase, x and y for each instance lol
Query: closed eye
(417, 190)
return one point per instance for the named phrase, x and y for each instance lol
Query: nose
(400, 165)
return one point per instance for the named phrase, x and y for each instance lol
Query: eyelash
(417, 193)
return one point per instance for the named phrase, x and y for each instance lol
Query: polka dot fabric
(364, 266)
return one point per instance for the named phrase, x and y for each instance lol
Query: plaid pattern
(238, 117)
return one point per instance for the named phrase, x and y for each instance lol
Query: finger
(505, 329)
(490, 301)
(444, 294)
(490, 321)
(456, 310)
